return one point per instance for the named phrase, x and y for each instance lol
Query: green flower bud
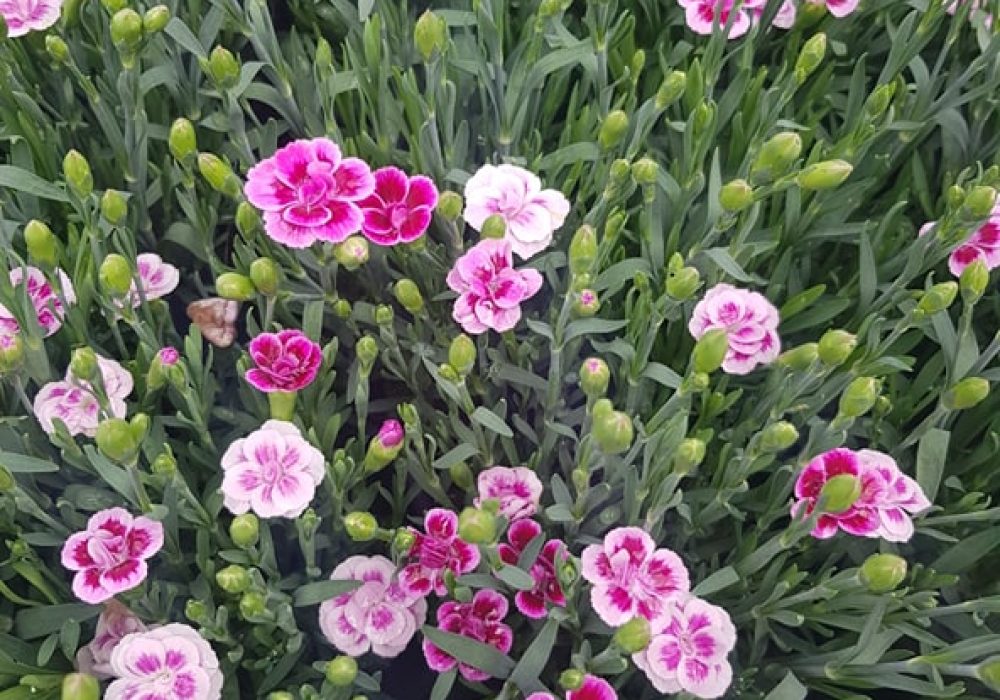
(973, 281)
(633, 636)
(233, 579)
(247, 219)
(41, 242)
(366, 350)
(164, 464)
(113, 6)
(450, 205)
(878, 102)
(582, 250)
(118, 441)
(233, 285)
(613, 129)
(252, 604)
(495, 226)
(612, 432)
(620, 172)
(799, 358)
(430, 35)
(736, 195)
(839, 493)
(126, 30)
(80, 686)
(403, 541)
(571, 679)
(265, 276)
(614, 225)
(778, 436)
(280, 695)
(810, 57)
(825, 175)
(223, 68)
(409, 296)
(361, 527)
(462, 354)
(385, 446)
(644, 171)
(341, 671)
(859, 397)
(477, 526)
(83, 364)
(324, 56)
(115, 275)
(7, 481)
(776, 156)
(882, 573)
(195, 610)
(835, 346)
(352, 253)
(342, 309)
(76, 170)
(219, 175)
(11, 353)
(586, 304)
(602, 407)
(955, 197)
(114, 206)
(57, 48)
(182, 141)
(461, 475)
(690, 453)
(245, 530)
(671, 89)
(595, 375)
(937, 298)
(683, 283)
(155, 19)
(966, 394)
(702, 117)
(989, 673)
(383, 315)
(449, 373)
(979, 203)
(710, 351)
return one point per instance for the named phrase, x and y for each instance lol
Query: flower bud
(11, 353)
(352, 253)
(366, 350)
(182, 141)
(878, 102)
(118, 440)
(710, 351)
(57, 49)
(840, 492)
(989, 673)
(113, 6)
(602, 407)
(644, 171)
(979, 202)
(383, 315)
(159, 368)
(612, 431)
(571, 679)
(219, 175)
(825, 175)
(495, 226)
(341, 671)
(115, 275)
(461, 475)
(450, 205)
(265, 276)
(671, 89)
(385, 446)
(882, 573)
(233, 579)
(613, 129)
(324, 56)
(126, 30)
(966, 394)
(114, 206)
(683, 283)
(247, 219)
(233, 285)
(690, 453)
(252, 604)
(835, 346)
(736, 195)
(799, 358)
(778, 436)
(41, 243)
(594, 377)
(403, 541)
(614, 225)
(776, 156)
(155, 19)
(280, 695)
(164, 464)
(972, 283)
(342, 309)
(361, 527)
(582, 250)
(76, 170)
(702, 117)
(223, 68)
(245, 530)
(194, 610)
(810, 57)
(954, 197)
(586, 304)
(633, 636)
(859, 397)
(430, 35)
(409, 296)
(937, 298)
(83, 364)
(80, 686)
(462, 354)
(477, 526)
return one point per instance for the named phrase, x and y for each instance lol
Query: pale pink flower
(379, 616)
(547, 589)
(400, 209)
(172, 662)
(309, 192)
(750, 321)
(481, 620)
(983, 244)
(114, 623)
(156, 278)
(531, 213)
(705, 16)
(490, 290)
(630, 577)
(23, 16)
(273, 471)
(76, 404)
(436, 550)
(784, 19)
(691, 640)
(517, 489)
(593, 688)
(110, 555)
(838, 8)
(285, 361)
(48, 306)
(903, 496)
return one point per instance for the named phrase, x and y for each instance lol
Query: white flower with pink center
(48, 306)
(273, 471)
(750, 322)
(23, 16)
(517, 490)
(629, 576)
(156, 278)
(379, 616)
(114, 623)
(172, 662)
(110, 555)
(691, 640)
(76, 403)
(983, 245)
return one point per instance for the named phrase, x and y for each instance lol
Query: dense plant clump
(505, 349)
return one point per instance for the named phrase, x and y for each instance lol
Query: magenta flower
(400, 208)
(838, 8)
(750, 321)
(481, 620)
(168, 356)
(630, 577)
(77, 405)
(490, 290)
(156, 278)
(517, 490)
(435, 551)
(593, 688)
(688, 650)
(983, 244)
(172, 662)
(286, 361)
(23, 16)
(48, 306)
(531, 213)
(110, 555)
(114, 623)
(379, 616)
(309, 192)
(703, 16)
(391, 433)
(543, 570)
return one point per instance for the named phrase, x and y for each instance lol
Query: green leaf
(469, 651)
(455, 456)
(24, 464)
(801, 301)
(662, 374)
(588, 326)
(114, 476)
(516, 578)
(723, 578)
(931, 454)
(365, 8)
(722, 258)
(534, 659)
(789, 689)
(15, 178)
(491, 421)
(443, 685)
(321, 591)
(32, 623)
(964, 555)
(180, 33)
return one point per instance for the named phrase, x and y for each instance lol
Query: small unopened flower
(174, 658)
(385, 446)
(400, 208)
(436, 550)
(882, 573)
(481, 620)
(114, 622)
(80, 686)
(284, 361)
(23, 16)
(750, 322)
(517, 490)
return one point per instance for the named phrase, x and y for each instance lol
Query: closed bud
(403, 541)
(219, 175)
(223, 68)
(352, 253)
(955, 197)
(810, 57)
(83, 364)
(76, 170)
(582, 250)
(113, 6)
(980, 202)
(778, 436)
(194, 610)
(385, 446)
(613, 432)
(7, 481)
(595, 375)
(11, 353)
(671, 89)
(341, 671)
(182, 141)
(859, 397)
(571, 679)
(461, 475)
(265, 276)
(634, 635)
(586, 304)
(342, 309)
(613, 129)
(117, 441)
(361, 527)
(114, 206)
(383, 315)
(245, 530)
(878, 102)
(247, 219)
(155, 19)
(280, 695)
(644, 171)
(409, 296)
(614, 225)
(430, 35)
(602, 407)
(450, 205)
(233, 285)
(449, 373)
(252, 604)
(41, 243)
(462, 354)
(683, 283)
(495, 226)
(989, 673)
(825, 175)
(690, 453)
(937, 298)
(839, 493)
(115, 275)
(366, 350)
(702, 117)
(966, 394)
(973, 281)
(882, 573)
(80, 686)
(164, 465)
(477, 526)
(57, 48)
(710, 351)
(637, 63)
(799, 358)
(736, 195)
(324, 56)
(126, 30)
(776, 156)
(620, 172)
(233, 579)
(835, 346)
